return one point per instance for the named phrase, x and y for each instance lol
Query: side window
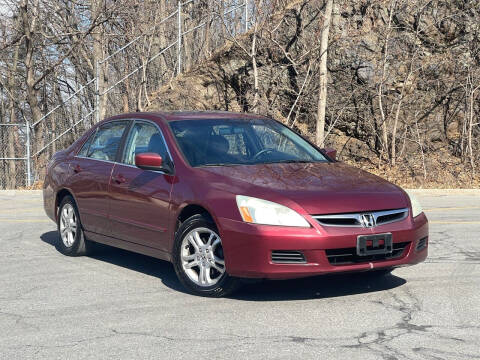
(106, 141)
(144, 137)
(86, 145)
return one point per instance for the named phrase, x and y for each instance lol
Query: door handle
(120, 179)
(77, 169)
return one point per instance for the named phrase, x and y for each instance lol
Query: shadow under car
(317, 287)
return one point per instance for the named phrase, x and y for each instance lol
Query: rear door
(140, 199)
(92, 168)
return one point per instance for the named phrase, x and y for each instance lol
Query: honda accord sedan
(228, 196)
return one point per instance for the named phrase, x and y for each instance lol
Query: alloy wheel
(68, 225)
(202, 257)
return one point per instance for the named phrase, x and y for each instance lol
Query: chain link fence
(14, 160)
(189, 36)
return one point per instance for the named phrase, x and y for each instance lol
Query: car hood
(319, 188)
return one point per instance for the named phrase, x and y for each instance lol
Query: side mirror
(331, 153)
(150, 161)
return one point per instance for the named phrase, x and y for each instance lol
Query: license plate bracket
(377, 244)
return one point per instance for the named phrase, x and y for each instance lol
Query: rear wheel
(72, 241)
(198, 258)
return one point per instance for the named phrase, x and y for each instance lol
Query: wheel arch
(190, 210)
(60, 195)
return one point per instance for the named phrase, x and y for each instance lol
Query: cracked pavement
(119, 305)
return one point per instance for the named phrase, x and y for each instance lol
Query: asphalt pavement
(119, 305)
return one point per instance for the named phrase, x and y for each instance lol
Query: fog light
(422, 244)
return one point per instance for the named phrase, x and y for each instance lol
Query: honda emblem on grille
(368, 220)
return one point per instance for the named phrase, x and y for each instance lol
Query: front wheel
(198, 258)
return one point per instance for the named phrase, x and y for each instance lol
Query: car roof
(201, 115)
(189, 115)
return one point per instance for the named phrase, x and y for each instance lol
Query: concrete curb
(438, 192)
(20, 192)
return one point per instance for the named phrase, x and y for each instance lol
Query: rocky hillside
(402, 93)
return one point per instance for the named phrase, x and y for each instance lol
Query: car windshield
(226, 142)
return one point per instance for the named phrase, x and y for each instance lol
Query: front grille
(339, 221)
(348, 256)
(422, 244)
(288, 257)
(389, 218)
(375, 218)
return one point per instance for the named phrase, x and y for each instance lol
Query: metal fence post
(97, 91)
(246, 15)
(179, 42)
(27, 153)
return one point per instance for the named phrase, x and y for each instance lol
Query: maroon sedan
(225, 196)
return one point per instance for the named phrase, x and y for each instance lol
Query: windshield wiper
(219, 164)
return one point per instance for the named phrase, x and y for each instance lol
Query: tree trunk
(207, 32)
(98, 55)
(255, 73)
(28, 23)
(470, 128)
(253, 55)
(162, 39)
(383, 125)
(393, 150)
(323, 76)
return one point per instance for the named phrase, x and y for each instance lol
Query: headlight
(416, 207)
(258, 211)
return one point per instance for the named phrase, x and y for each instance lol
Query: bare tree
(323, 74)
(383, 117)
(471, 87)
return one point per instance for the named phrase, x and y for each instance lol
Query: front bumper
(248, 247)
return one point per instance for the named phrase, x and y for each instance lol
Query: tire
(200, 266)
(71, 239)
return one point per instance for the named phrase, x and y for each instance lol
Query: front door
(92, 168)
(140, 199)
